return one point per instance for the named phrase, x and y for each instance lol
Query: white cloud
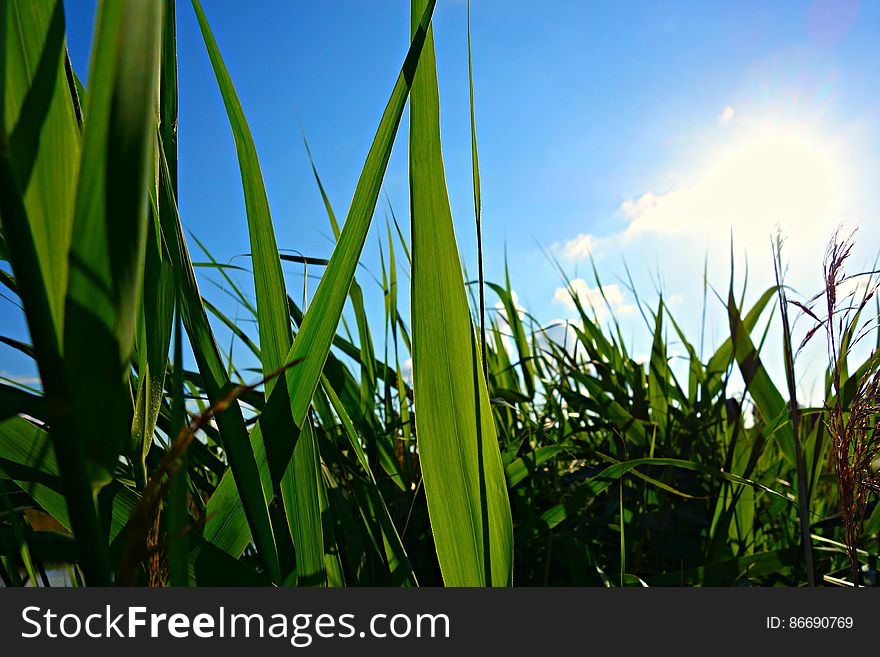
(580, 247)
(592, 297)
(728, 203)
(726, 115)
(407, 370)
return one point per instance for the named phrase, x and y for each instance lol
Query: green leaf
(106, 259)
(41, 138)
(521, 468)
(458, 450)
(300, 483)
(110, 227)
(609, 475)
(658, 376)
(318, 328)
(26, 457)
(723, 355)
(154, 325)
(39, 160)
(272, 315)
(305, 519)
(249, 483)
(514, 322)
(759, 385)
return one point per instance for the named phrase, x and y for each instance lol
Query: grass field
(510, 457)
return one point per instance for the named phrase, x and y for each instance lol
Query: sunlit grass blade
(152, 340)
(318, 328)
(178, 514)
(273, 319)
(517, 330)
(299, 485)
(305, 519)
(760, 386)
(455, 431)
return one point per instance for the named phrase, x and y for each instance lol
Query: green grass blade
(458, 450)
(300, 482)
(721, 359)
(168, 94)
(153, 341)
(27, 457)
(305, 519)
(760, 386)
(334, 224)
(178, 515)
(514, 323)
(106, 261)
(478, 203)
(318, 328)
(658, 376)
(521, 468)
(250, 484)
(32, 40)
(272, 315)
(110, 227)
(41, 137)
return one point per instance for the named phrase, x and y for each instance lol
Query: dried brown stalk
(852, 423)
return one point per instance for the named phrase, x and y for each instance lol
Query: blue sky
(644, 131)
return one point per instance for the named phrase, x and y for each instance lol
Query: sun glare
(764, 177)
(779, 176)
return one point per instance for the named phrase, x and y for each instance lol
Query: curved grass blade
(760, 386)
(41, 138)
(300, 482)
(318, 328)
(249, 481)
(455, 432)
(110, 228)
(272, 315)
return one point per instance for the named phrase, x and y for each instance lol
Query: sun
(754, 180)
(776, 175)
